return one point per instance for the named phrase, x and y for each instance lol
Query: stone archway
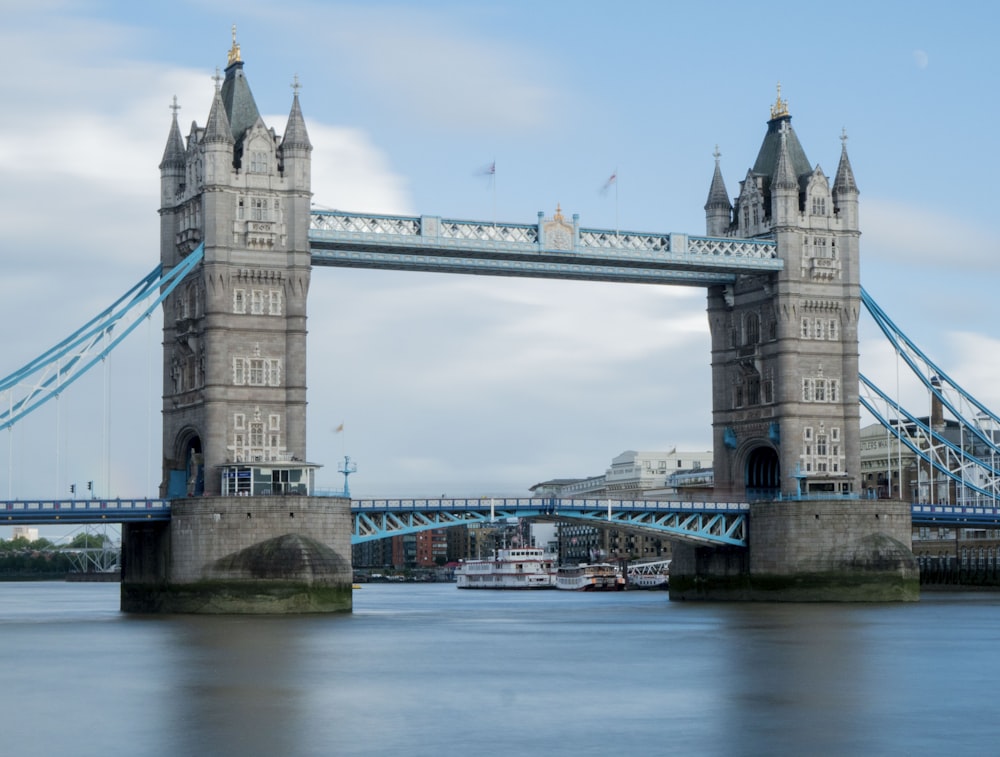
(186, 476)
(763, 474)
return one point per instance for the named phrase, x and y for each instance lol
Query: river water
(426, 669)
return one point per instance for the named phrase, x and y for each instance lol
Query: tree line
(23, 559)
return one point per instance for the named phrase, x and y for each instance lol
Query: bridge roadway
(697, 522)
(552, 248)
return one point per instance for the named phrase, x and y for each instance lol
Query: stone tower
(246, 533)
(786, 418)
(234, 332)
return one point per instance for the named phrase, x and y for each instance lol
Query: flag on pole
(612, 180)
(339, 429)
(489, 170)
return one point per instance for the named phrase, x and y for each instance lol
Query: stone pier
(838, 550)
(250, 555)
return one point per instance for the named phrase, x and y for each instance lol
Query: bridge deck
(700, 522)
(430, 243)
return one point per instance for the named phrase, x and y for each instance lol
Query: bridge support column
(241, 555)
(807, 551)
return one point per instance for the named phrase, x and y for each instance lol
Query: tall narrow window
(274, 302)
(258, 209)
(257, 372)
(258, 162)
(752, 328)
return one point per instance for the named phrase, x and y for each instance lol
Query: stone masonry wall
(839, 550)
(204, 530)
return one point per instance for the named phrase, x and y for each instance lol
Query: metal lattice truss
(42, 379)
(696, 522)
(959, 455)
(93, 560)
(655, 568)
(429, 243)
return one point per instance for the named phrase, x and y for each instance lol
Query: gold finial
(558, 216)
(234, 53)
(780, 107)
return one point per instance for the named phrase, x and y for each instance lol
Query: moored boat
(589, 577)
(517, 568)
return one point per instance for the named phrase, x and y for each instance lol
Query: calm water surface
(430, 670)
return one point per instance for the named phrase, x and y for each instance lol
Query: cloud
(896, 231)
(428, 67)
(79, 150)
(350, 173)
(469, 383)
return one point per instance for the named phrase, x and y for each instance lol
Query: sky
(477, 386)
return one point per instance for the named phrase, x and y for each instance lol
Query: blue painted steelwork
(55, 511)
(971, 463)
(55, 369)
(698, 522)
(430, 243)
(955, 516)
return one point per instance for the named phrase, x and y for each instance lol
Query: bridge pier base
(241, 555)
(807, 551)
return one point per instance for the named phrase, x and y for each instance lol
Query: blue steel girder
(695, 522)
(955, 516)
(45, 377)
(53, 511)
(429, 243)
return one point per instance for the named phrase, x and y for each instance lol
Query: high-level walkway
(551, 248)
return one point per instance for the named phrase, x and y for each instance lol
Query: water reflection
(235, 685)
(429, 670)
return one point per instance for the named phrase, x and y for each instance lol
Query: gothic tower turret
(234, 373)
(786, 418)
(718, 208)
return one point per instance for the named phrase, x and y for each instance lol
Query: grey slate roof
(217, 129)
(717, 195)
(241, 109)
(295, 131)
(173, 153)
(784, 175)
(767, 158)
(844, 182)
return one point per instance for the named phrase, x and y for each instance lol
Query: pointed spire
(217, 129)
(844, 181)
(295, 130)
(173, 154)
(784, 176)
(718, 197)
(241, 108)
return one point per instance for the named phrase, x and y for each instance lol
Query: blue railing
(51, 511)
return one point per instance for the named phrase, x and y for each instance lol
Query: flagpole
(494, 177)
(616, 202)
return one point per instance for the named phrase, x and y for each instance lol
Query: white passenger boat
(517, 568)
(589, 577)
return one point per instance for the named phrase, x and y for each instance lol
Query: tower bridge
(239, 240)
